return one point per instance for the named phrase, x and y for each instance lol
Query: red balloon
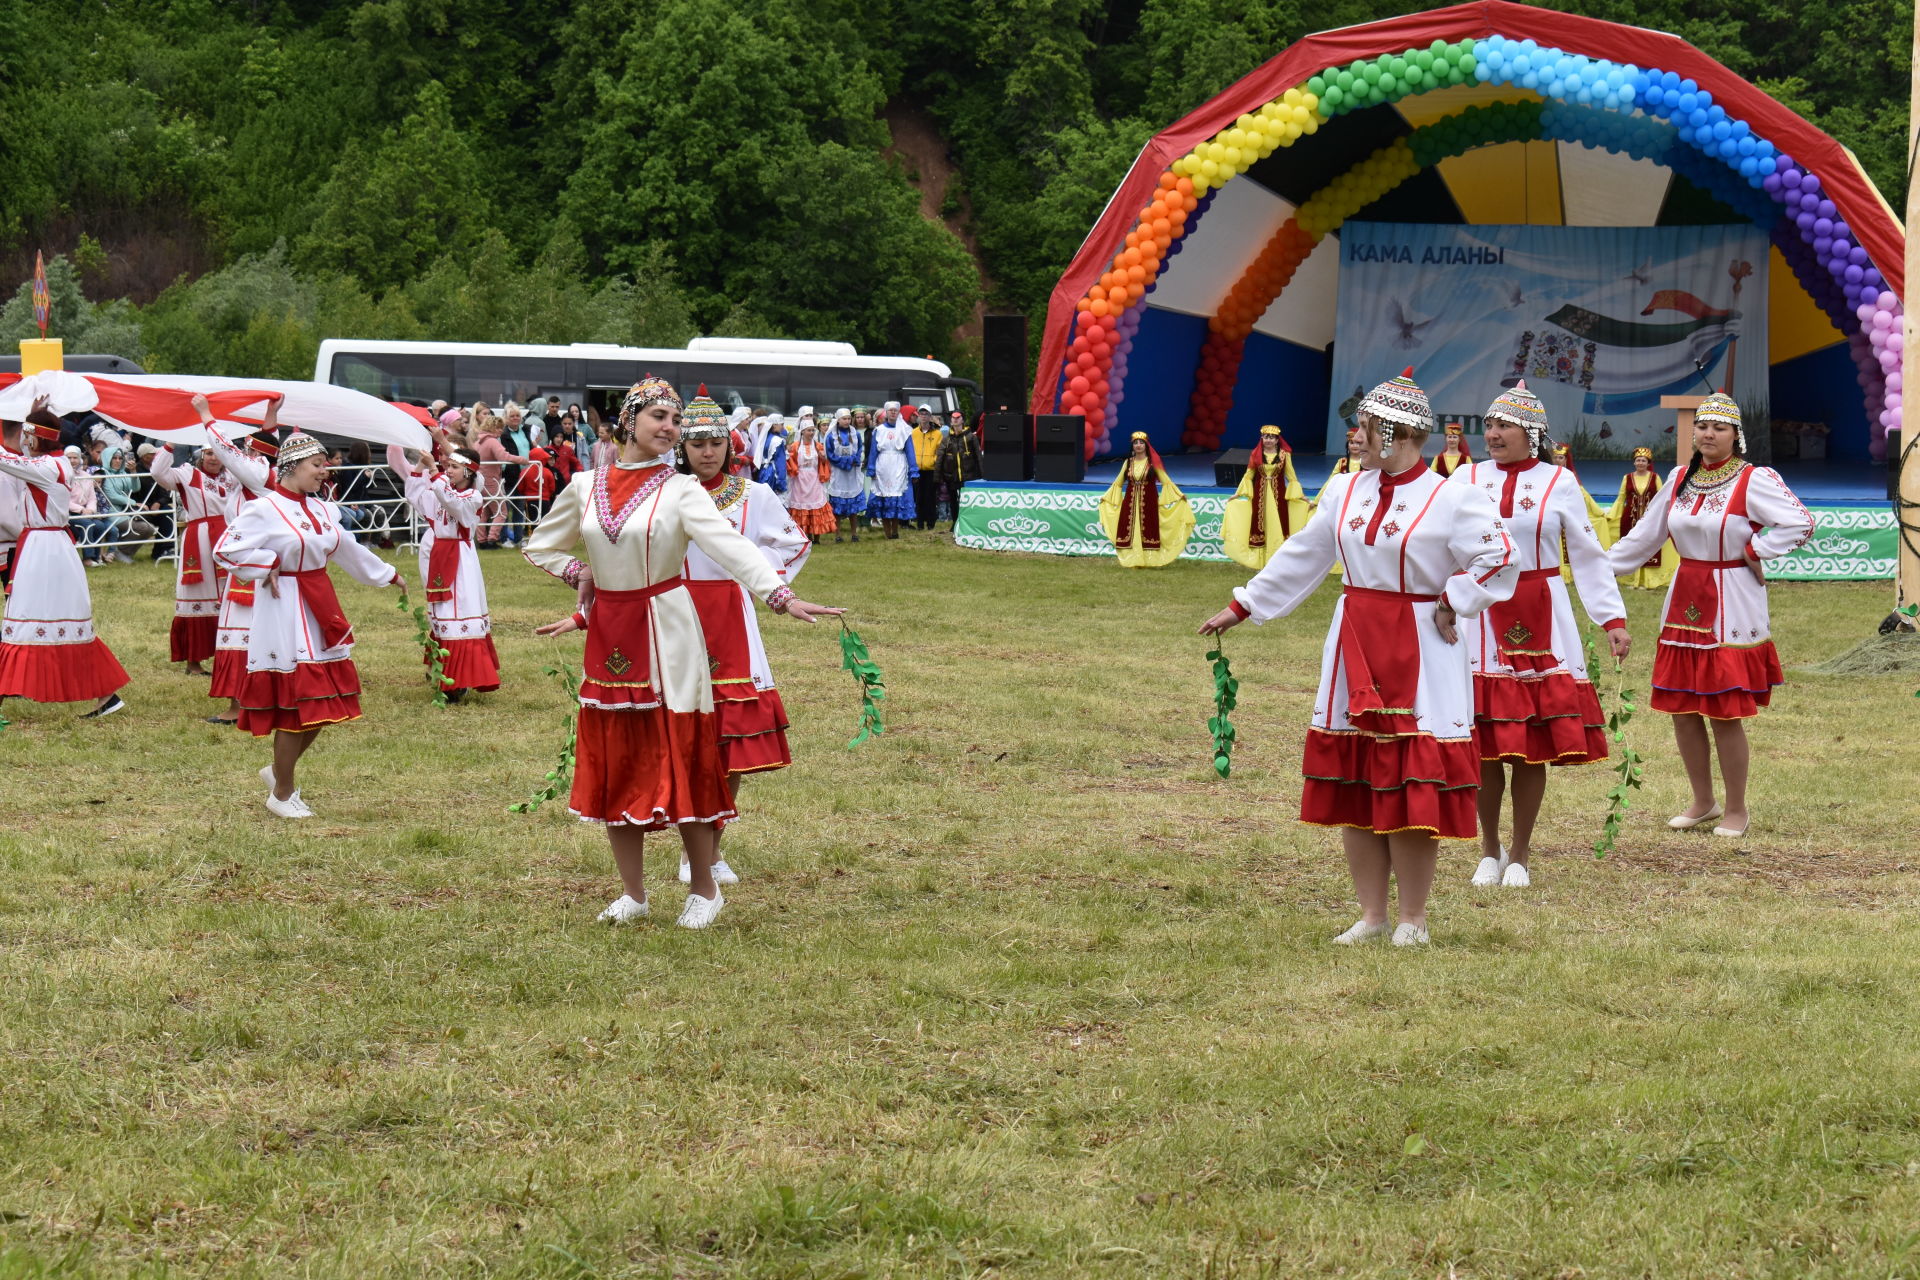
(1079, 408)
(1078, 384)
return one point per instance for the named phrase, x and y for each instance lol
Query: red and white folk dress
(1533, 697)
(647, 749)
(752, 719)
(48, 649)
(1716, 656)
(300, 672)
(450, 568)
(1391, 746)
(250, 477)
(203, 502)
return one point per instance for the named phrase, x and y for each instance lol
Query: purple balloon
(1822, 245)
(1823, 227)
(1771, 184)
(1804, 221)
(1791, 178)
(1888, 302)
(1856, 255)
(1826, 209)
(1853, 273)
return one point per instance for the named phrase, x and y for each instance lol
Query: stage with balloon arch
(1486, 192)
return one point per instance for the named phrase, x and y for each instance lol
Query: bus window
(498, 379)
(395, 376)
(732, 385)
(827, 388)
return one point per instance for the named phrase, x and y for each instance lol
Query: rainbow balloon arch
(1751, 153)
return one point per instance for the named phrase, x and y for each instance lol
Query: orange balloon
(1099, 307)
(1135, 292)
(1084, 304)
(1137, 274)
(1184, 186)
(1096, 293)
(1131, 258)
(1178, 217)
(1162, 241)
(1161, 227)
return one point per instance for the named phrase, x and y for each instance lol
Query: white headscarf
(763, 448)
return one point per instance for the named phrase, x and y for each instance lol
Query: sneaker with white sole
(1411, 935)
(1516, 877)
(1488, 873)
(623, 909)
(700, 912)
(1360, 932)
(292, 807)
(113, 703)
(722, 873)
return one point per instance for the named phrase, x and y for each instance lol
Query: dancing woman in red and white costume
(48, 649)
(1390, 755)
(647, 753)
(752, 719)
(250, 471)
(1716, 662)
(300, 672)
(203, 491)
(1534, 703)
(448, 502)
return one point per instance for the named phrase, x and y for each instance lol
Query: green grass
(1020, 988)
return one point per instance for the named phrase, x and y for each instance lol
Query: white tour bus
(760, 373)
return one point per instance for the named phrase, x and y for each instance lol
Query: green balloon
(1397, 67)
(1371, 73)
(1332, 98)
(1317, 85)
(1465, 47)
(1388, 85)
(1344, 80)
(1423, 59)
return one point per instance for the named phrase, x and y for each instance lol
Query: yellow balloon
(1200, 183)
(1209, 169)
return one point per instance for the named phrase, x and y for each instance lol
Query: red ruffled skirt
(1411, 783)
(192, 639)
(470, 664)
(1728, 682)
(1551, 719)
(753, 721)
(229, 673)
(650, 768)
(60, 672)
(311, 696)
(819, 520)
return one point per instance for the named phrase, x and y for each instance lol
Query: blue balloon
(1670, 80)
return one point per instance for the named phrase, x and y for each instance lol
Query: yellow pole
(1906, 511)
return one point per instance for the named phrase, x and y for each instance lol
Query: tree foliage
(645, 170)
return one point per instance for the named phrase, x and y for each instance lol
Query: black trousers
(926, 499)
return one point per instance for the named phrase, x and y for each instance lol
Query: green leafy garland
(436, 652)
(562, 772)
(1911, 612)
(1628, 764)
(1226, 696)
(855, 659)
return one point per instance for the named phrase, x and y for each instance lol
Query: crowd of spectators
(527, 453)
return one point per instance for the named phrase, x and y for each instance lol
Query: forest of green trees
(217, 184)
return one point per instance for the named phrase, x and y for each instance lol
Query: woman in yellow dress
(1267, 507)
(1637, 490)
(1596, 514)
(1144, 513)
(1455, 455)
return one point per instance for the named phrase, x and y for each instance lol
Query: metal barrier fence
(372, 503)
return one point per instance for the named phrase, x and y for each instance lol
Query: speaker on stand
(1008, 451)
(1059, 448)
(1003, 363)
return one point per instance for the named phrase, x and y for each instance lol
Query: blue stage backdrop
(1280, 382)
(1600, 321)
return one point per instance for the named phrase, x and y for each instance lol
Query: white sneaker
(1360, 932)
(266, 776)
(700, 912)
(1515, 877)
(292, 807)
(1410, 935)
(1488, 873)
(623, 909)
(722, 873)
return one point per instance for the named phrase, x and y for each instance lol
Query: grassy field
(1020, 988)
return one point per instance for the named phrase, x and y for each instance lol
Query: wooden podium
(1683, 433)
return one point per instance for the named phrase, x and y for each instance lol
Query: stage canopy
(1202, 303)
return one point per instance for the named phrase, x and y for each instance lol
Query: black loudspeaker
(1893, 464)
(1230, 466)
(1008, 452)
(1059, 448)
(1003, 363)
